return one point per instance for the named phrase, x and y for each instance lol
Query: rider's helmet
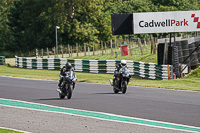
(68, 66)
(123, 63)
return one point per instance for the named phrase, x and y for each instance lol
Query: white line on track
(104, 118)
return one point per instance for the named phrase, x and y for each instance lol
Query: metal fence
(139, 69)
(110, 48)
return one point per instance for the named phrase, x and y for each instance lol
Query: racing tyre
(124, 86)
(69, 92)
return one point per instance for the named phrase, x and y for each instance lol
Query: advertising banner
(160, 22)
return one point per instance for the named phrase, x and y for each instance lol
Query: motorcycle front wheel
(69, 92)
(124, 86)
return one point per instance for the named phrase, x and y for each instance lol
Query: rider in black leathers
(62, 75)
(118, 67)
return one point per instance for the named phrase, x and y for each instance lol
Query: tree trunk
(129, 44)
(154, 50)
(42, 53)
(36, 53)
(111, 47)
(152, 43)
(77, 48)
(140, 45)
(47, 52)
(85, 49)
(105, 47)
(62, 50)
(70, 10)
(102, 47)
(69, 50)
(54, 52)
(93, 49)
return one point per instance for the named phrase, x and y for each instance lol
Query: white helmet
(123, 63)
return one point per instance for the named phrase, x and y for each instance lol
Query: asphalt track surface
(180, 107)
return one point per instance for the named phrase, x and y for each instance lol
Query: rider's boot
(111, 82)
(73, 85)
(59, 87)
(58, 90)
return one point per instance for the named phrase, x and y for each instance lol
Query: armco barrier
(2, 60)
(141, 69)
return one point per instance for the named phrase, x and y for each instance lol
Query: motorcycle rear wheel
(124, 86)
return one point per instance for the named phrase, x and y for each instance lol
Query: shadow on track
(108, 93)
(49, 99)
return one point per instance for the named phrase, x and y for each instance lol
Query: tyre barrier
(160, 52)
(180, 52)
(2, 60)
(184, 44)
(192, 51)
(136, 68)
(199, 56)
(188, 53)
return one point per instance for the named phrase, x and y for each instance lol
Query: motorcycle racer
(62, 75)
(118, 67)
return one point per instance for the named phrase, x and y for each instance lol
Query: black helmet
(68, 66)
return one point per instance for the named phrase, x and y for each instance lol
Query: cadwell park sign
(171, 51)
(160, 22)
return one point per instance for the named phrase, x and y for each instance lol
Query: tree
(29, 24)
(33, 23)
(175, 5)
(5, 35)
(89, 23)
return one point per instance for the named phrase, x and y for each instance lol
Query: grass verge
(191, 82)
(8, 131)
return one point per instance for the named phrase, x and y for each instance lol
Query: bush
(195, 73)
(8, 65)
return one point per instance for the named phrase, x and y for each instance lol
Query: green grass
(144, 58)
(191, 82)
(8, 131)
(195, 74)
(137, 56)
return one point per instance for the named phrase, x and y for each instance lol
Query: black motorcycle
(121, 81)
(68, 85)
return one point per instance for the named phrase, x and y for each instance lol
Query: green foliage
(5, 37)
(8, 65)
(33, 23)
(195, 74)
(176, 5)
(29, 24)
(89, 23)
